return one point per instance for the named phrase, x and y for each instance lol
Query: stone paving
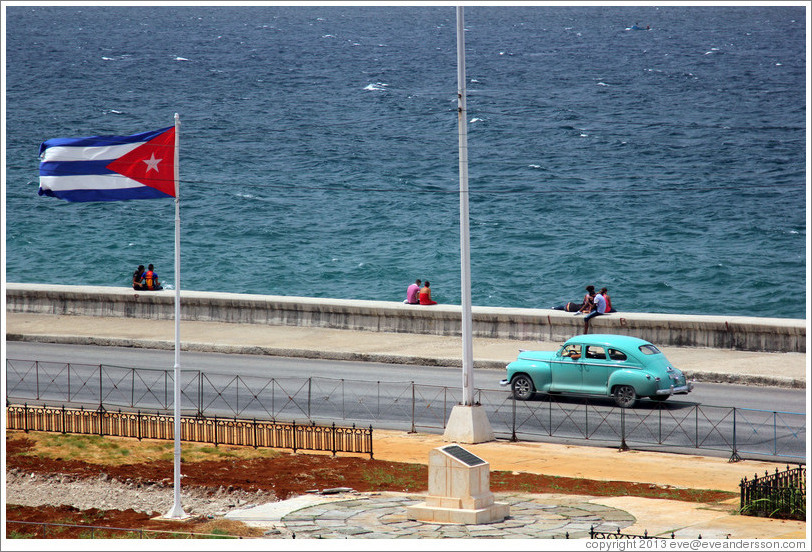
(383, 516)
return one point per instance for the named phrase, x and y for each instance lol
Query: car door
(566, 370)
(595, 371)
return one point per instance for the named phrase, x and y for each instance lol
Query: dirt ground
(285, 475)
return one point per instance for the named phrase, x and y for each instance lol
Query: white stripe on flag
(69, 153)
(88, 182)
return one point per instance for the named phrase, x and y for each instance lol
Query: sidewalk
(706, 365)
(380, 516)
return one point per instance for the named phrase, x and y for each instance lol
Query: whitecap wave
(475, 120)
(182, 59)
(376, 86)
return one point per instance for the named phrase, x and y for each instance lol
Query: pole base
(468, 424)
(176, 512)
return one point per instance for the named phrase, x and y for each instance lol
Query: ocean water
(319, 151)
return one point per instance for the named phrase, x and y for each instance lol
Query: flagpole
(465, 246)
(177, 509)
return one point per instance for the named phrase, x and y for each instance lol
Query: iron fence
(218, 431)
(617, 535)
(778, 495)
(410, 406)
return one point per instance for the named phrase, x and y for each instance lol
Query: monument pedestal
(468, 424)
(459, 490)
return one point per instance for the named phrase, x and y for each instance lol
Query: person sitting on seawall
(138, 278)
(605, 293)
(600, 308)
(588, 304)
(412, 293)
(151, 279)
(425, 295)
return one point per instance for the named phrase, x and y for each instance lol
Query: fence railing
(406, 405)
(777, 495)
(218, 431)
(617, 535)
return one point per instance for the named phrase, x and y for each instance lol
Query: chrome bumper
(681, 390)
(504, 383)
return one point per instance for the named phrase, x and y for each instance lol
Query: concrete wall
(722, 332)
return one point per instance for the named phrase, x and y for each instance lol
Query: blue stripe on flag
(96, 141)
(121, 194)
(72, 168)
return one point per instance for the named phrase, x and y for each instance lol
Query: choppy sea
(319, 151)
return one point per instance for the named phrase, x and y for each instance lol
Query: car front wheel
(625, 396)
(522, 387)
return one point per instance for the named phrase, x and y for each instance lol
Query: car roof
(609, 340)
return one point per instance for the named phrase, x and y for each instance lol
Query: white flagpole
(465, 246)
(177, 509)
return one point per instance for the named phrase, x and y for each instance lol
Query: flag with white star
(109, 168)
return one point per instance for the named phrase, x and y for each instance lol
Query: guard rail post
(623, 445)
(413, 406)
(513, 433)
(734, 455)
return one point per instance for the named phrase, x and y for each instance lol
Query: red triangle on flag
(152, 163)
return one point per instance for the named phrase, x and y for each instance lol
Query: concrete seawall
(720, 332)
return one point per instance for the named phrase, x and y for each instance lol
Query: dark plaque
(463, 455)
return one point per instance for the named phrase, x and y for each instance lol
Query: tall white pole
(465, 246)
(177, 509)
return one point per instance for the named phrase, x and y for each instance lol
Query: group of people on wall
(593, 304)
(417, 295)
(146, 280)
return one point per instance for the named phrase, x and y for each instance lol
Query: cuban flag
(109, 168)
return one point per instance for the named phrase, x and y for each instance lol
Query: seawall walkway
(107, 317)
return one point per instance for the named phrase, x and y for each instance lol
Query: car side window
(595, 352)
(572, 351)
(614, 354)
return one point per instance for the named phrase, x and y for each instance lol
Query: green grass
(409, 477)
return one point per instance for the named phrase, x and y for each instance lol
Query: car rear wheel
(625, 396)
(522, 387)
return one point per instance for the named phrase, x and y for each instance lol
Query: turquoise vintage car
(618, 366)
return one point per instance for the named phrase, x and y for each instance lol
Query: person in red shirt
(425, 295)
(605, 293)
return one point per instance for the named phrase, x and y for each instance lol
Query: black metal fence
(777, 495)
(225, 431)
(405, 405)
(617, 535)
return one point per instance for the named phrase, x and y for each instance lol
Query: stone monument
(459, 490)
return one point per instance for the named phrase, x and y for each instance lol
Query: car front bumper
(681, 390)
(504, 383)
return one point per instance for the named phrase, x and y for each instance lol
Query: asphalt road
(739, 396)
(401, 397)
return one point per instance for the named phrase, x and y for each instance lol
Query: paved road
(249, 386)
(727, 395)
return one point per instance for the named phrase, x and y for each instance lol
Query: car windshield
(649, 350)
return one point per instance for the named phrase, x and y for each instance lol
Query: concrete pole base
(468, 424)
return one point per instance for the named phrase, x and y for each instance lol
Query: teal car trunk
(619, 366)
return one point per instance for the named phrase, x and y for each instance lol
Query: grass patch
(407, 477)
(117, 451)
